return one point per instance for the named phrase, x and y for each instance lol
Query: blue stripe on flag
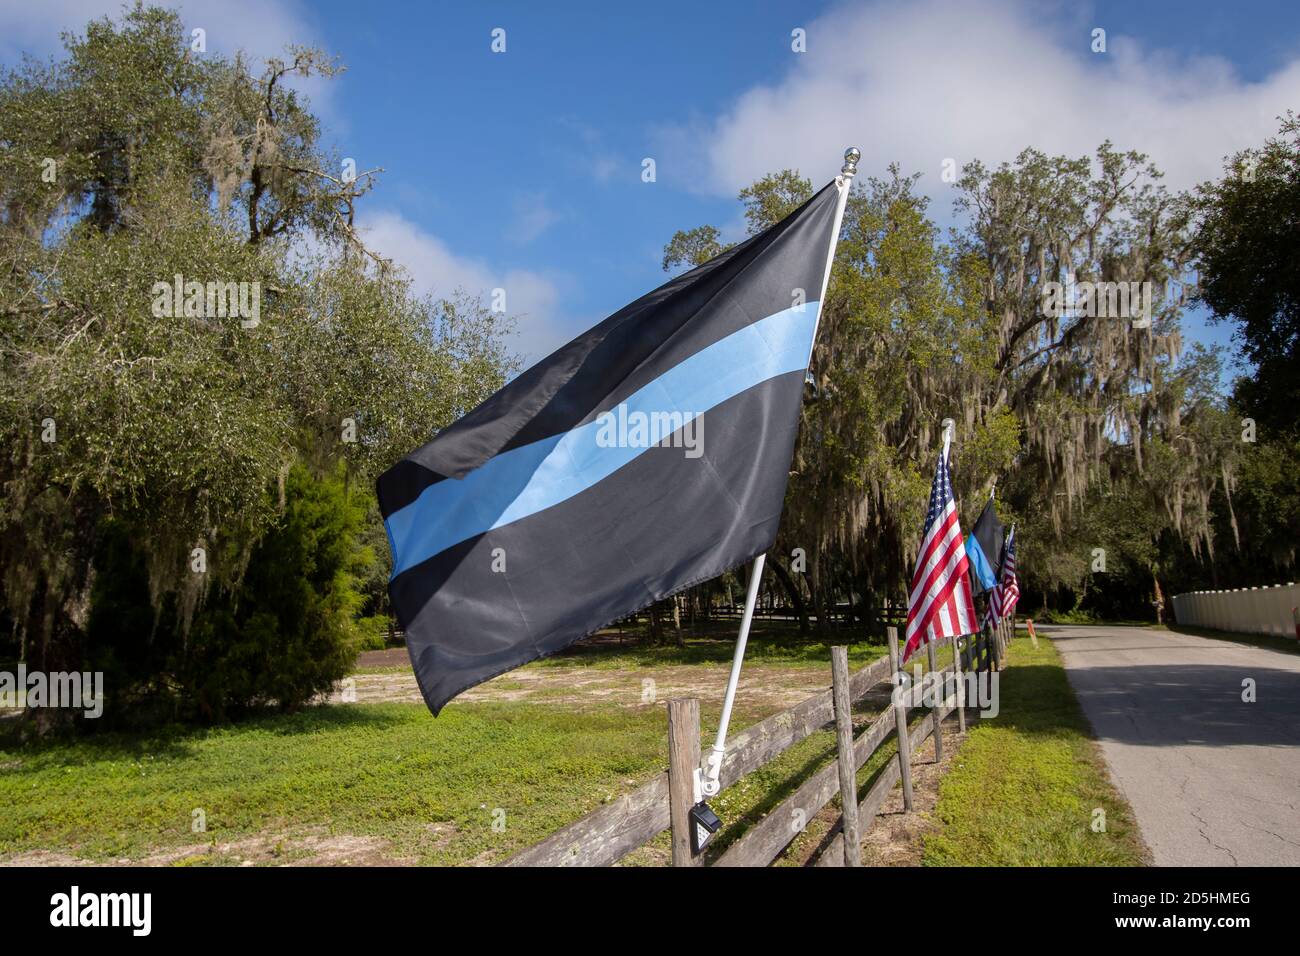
(980, 563)
(528, 479)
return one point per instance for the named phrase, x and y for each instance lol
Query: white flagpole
(710, 784)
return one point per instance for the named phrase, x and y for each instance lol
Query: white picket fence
(1267, 610)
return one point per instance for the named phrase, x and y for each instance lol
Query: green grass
(1024, 787)
(426, 787)
(383, 669)
(388, 770)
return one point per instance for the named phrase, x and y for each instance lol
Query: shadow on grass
(792, 778)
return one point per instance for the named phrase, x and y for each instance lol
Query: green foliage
(372, 632)
(693, 247)
(774, 197)
(1268, 499)
(993, 443)
(1097, 436)
(1248, 251)
(123, 109)
(1072, 616)
(183, 424)
(288, 633)
(285, 634)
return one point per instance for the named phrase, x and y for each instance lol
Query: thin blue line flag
(649, 454)
(984, 548)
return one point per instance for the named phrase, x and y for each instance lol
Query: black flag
(647, 455)
(984, 549)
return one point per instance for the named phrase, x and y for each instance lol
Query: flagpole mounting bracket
(708, 778)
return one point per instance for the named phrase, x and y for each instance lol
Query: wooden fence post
(683, 761)
(900, 721)
(847, 760)
(995, 659)
(961, 686)
(938, 708)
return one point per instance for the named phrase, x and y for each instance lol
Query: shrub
(284, 634)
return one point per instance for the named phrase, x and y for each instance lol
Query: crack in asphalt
(1218, 846)
(1183, 746)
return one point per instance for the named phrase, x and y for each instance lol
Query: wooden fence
(605, 836)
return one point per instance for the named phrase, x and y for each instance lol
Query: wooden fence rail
(606, 835)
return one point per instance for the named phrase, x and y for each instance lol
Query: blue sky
(523, 169)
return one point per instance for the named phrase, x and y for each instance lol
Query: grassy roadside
(1025, 786)
(385, 782)
(1269, 642)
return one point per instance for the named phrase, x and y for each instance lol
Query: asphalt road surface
(1213, 780)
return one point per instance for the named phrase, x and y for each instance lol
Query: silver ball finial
(851, 157)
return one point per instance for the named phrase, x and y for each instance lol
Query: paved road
(1213, 780)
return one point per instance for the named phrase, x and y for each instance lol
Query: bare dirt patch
(305, 847)
(45, 858)
(896, 838)
(764, 685)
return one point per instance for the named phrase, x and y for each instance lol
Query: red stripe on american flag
(938, 539)
(931, 594)
(952, 576)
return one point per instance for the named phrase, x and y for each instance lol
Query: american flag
(1006, 593)
(939, 604)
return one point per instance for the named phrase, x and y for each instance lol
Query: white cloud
(260, 28)
(922, 82)
(436, 270)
